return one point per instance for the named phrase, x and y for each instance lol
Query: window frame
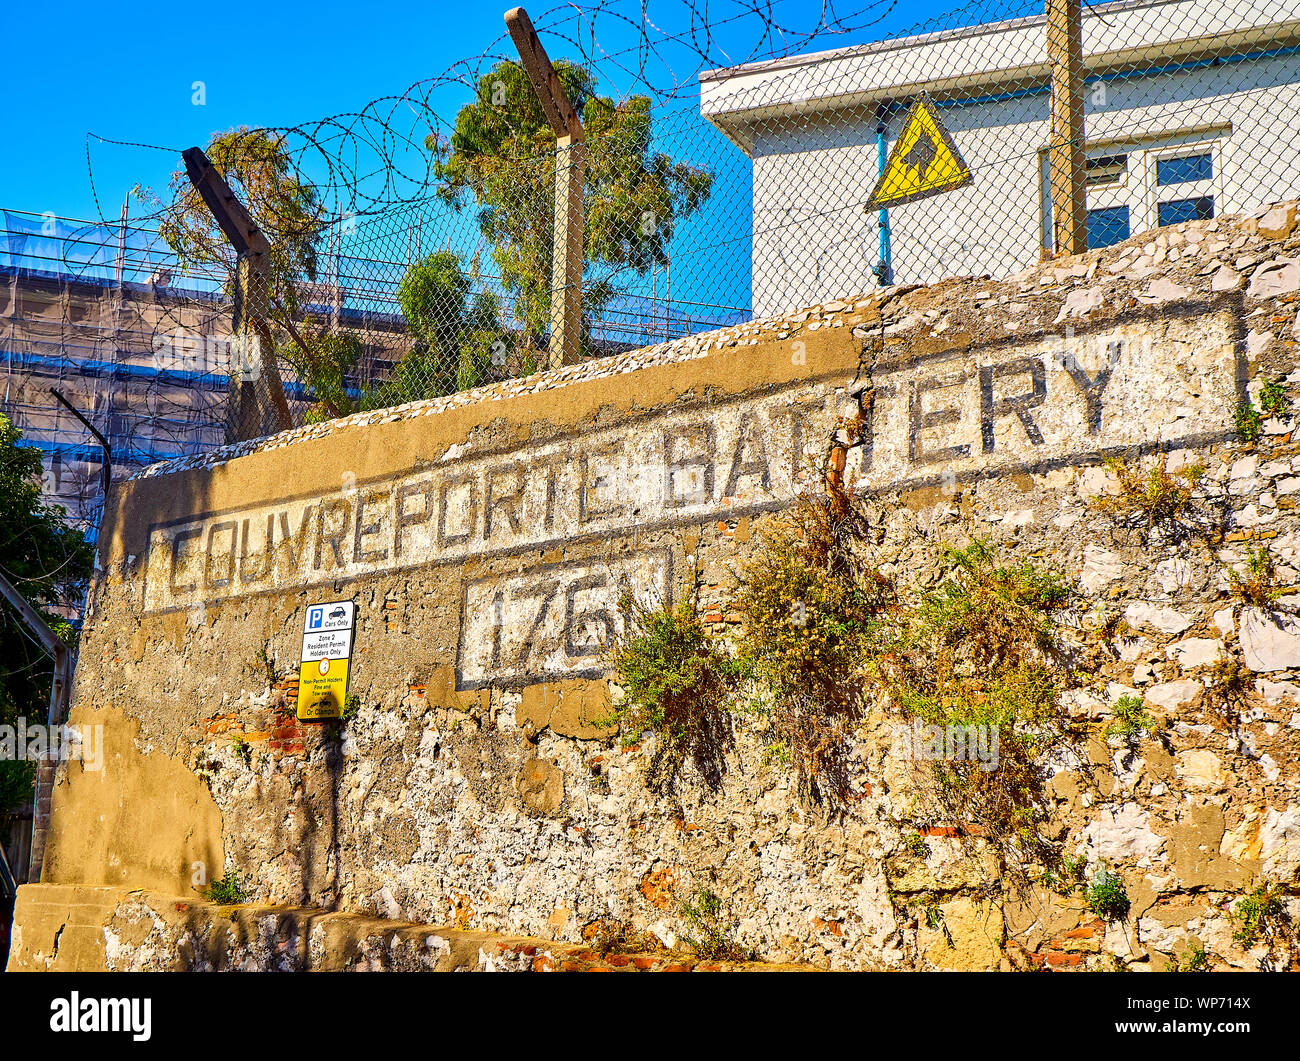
(1128, 220)
(1137, 187)
(1208, 187)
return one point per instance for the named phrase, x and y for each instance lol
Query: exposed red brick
(659, 887)
(1058, 960)
(1090, 930)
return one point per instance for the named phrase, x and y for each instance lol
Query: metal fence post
(258, 406)
(60, 692)
(1065, 150)
(570, 145)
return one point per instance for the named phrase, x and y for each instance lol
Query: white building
(1192, 110)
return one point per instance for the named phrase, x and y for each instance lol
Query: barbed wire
(799, 100)
(371, 136)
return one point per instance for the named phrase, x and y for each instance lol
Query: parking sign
(326, 654)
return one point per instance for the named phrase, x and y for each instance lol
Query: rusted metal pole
(258, 406)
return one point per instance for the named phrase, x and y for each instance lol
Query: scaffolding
(87, 311)
(102, 314)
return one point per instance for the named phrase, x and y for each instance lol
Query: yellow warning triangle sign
(924, 162)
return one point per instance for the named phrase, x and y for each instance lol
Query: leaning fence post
(257, 403)
(1065, 148)
(570, 146)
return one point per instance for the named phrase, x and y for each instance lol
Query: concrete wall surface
(487, 538)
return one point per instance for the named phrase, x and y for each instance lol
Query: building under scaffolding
(90, 311)
(87, 311)
(100, 314)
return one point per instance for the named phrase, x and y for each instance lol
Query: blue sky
(128, 75)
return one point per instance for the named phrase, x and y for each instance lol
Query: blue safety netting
(91, 251)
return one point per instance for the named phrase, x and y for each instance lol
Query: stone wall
(487, 538)
(73, 927)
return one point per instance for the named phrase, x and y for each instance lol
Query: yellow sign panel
(924, 162)
(326, 650)
(322, 689)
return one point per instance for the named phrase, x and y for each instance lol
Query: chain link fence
(1188, 111)
(872, 157)
(94, 312)
(354, 310)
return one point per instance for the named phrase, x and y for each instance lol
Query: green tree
(325, 363)
(260, 169)
(49, 562)
(455, 335)
(501, 155)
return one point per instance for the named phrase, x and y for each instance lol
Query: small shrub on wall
(709, 928)
(809, 606)
(1156, 503)
(1260, 919)
(826, 638)
(227, 889)
(677, 682)
(1107, 897)
(978, 657)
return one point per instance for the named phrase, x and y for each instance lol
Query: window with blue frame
(1107, 226)
(1131, 188)
(1176, 211)
(1181, 170)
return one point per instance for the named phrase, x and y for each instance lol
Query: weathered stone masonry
(487, 537)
